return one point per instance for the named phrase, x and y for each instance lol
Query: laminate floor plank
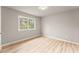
(42, 45)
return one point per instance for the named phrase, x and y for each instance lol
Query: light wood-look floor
(42, 45)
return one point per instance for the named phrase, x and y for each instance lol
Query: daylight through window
(26, 23)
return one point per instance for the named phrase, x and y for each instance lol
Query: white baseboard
(51, 37)
(20, 40)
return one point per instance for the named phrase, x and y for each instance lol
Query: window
(26, 23)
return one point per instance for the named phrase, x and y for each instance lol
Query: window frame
(28, 19)
(34, 20)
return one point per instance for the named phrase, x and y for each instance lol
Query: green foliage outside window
(26, 23)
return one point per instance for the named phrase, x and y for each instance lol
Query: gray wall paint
(9, 25)
(63, 25)
(0, 25)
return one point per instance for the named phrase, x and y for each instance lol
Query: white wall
(9, 25)
(63, 25)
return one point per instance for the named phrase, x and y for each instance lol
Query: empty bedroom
(39, 29)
